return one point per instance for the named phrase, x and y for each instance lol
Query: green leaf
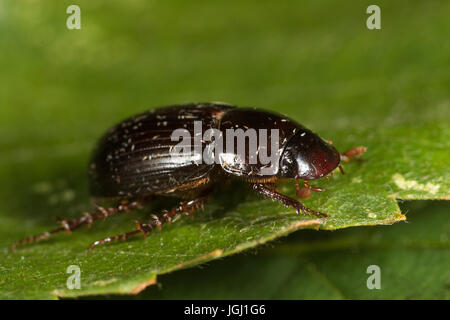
(386, 90)
(413, 258)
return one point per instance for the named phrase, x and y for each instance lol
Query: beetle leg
(187, 207)
(288, 202)
(305, 192)
(301, 193)
(348, 155)
(306, 185)
(86, 219)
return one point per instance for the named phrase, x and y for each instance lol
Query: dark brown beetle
(134, 162)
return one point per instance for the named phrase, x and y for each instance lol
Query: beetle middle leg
(87, 219)
(156, 222)
(287, 201)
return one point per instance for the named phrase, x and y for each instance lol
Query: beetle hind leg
(156, 222)
(87, 219)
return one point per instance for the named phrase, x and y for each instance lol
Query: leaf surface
(62, 89)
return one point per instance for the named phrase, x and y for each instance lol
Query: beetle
(134, 162)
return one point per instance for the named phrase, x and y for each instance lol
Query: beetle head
(306, 156)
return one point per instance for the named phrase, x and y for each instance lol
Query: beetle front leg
(348, 155)
(156, 222)
(305, 192)
(87, 219)
(287, 201)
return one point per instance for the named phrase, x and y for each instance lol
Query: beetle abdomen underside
(134, 158)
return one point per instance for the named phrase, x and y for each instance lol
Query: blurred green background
(315, 60)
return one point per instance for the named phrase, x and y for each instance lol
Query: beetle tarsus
(122, 237)
(71, 225)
